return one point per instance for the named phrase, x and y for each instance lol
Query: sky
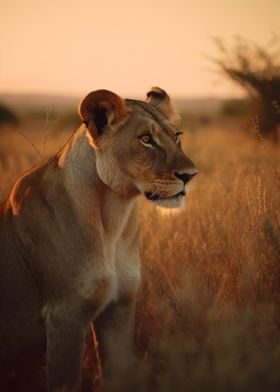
(71, 47)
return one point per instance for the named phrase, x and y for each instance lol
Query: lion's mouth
(156, 197)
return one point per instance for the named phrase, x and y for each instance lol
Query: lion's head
(137, 144)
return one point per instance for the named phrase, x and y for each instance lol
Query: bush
(256, 69)
(7, 116)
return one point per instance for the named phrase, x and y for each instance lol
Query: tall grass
(208, 308)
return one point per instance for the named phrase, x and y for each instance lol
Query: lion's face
(138, 150)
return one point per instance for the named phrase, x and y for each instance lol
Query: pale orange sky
(72, 47)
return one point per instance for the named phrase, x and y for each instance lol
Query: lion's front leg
(65, 341)
(115, 334)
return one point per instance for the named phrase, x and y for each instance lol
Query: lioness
(69, 233)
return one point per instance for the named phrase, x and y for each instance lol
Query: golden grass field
(208, 309)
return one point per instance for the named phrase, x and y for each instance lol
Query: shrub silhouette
(7, 116)
(256, 68)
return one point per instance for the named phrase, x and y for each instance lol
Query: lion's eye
(147, 140)
(178, 137)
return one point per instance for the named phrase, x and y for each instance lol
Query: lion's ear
(101, 108)
(159, 98)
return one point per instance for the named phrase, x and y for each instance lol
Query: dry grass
(208, 310)
(215, 271)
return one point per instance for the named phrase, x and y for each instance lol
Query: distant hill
(28, 102)
(199, 105)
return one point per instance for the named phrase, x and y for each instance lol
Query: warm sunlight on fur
(170, 211)
(142, 151)
(80, 210)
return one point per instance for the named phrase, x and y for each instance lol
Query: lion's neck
(89, 194)
(78, 161)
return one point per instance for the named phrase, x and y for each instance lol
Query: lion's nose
(187, 176)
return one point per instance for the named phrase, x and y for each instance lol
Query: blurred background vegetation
(208, 309)
(256, 69)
